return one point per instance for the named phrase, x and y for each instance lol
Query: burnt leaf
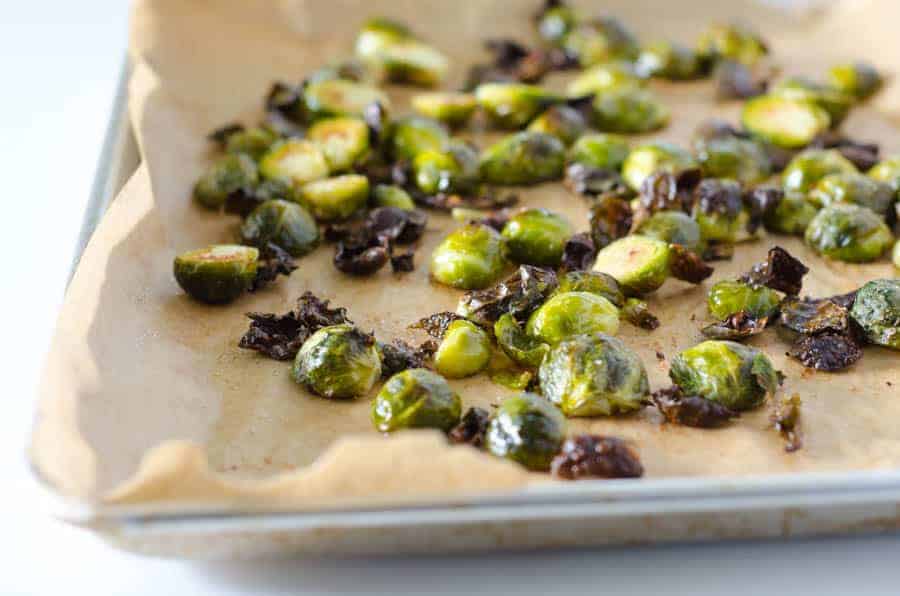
(273, 261)
(403, 262)
(715, 195)
(592, 181)
(738, 326)
(735, 80)
(786, 420)
(594, 456)
(397, 225)
(361, 255)
(637, 313)
(760, 202)
(687, 265)
(845, 300)
(826, 351)
(780, 271)
(579, 253)
(436, 325)
(398, 356)
(471, 428)
(690, 410)
(221, 134)
(811, 317)
(519, 294)
(284, 109)
(376, 118)
(611, 219)
(863, 155)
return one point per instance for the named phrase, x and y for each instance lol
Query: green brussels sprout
(295, 161)
(562, 121)
(592, 282)
(594, 375)
(604, 77)
(555, 23)
(226, 175)
(731, 42)
(848, 232)
(895, 254)
(833, 101)
(415, 134)
(784, 121)
(352, 69)
(859, 80)
(639, 263)
(527, 429)
(513, 105)
(728, 297)
(629, 111)
(378, 33)
(339, 97)
(216, 274)
(855, 188)
(537, 237)
(667, 60)
(792, 215)
(335, 198)
(721, 225)
(672, 227)
(887, 171)
(658, 156)
(343, 141)
(452, 170)
(386, 195)
(518, 345)
(452, 109)
(567, 314)
(732, 157)
(805, 170)
(877, 311)
(338, 362)
(465, 350)
(470, 258)
(284, 223)
(737, 376)
(599, 150)
(416, 398)
(252, 141)
(523, 158)
(413, 62)
(600, 40)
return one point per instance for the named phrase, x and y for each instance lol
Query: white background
(59, 61)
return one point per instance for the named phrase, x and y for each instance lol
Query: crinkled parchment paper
(148, 399)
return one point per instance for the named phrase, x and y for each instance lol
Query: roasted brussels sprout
(855, 188)
(537, 237)
(562, 121)
(572, 313)
(604, 77)
(339, 97)
(295, 161)
(343, 141)
(416, 398)
(453, 109)
(599, 150)
(719, 210)
(216, 274)
(452, 170)
(379, 32)
(667, 60)
(805, 170)
(600, 40)
(895, 254)
(728, 297)
(385, 195)
(877, 311)
(228, 174)
(859, 80)
(523, 158)
(732, 374)
(784, 121)
(592, 282)
(673, 227)
(513, 105)
(527, 429)
(464, 350)
(732, 157)
(351, 69)
(415, 134)
(848, 232)
(252, 141)
(888, 171)
(338, 362)
(792, 215)
(731, 42)
(335, 198)
(554, 23)
(639, 263)
(629, 111)
(593, 375)
(470, 258)
(518, 345)
(412, 62)
(833, 101)
(284, 223)
(659, 156)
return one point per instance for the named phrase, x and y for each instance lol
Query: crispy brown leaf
(811, 317)
(760, 202)
(637, 313)
(471, 428)
(594, 182)
(579, 253)
(780, 271)
(519, 294)
(786, 420)
(436, 325)
(273, 261)
(594, 456)
(738, 326)
(611, 219)
(826, 351)
(690, 410)
(398, 356)
(687, 265)
(361, 255)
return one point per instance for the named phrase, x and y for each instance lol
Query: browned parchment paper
(148, 399)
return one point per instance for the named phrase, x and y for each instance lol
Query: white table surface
(59, 62)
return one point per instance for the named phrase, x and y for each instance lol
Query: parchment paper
(147, 398)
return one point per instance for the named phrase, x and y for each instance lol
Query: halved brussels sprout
(554, 23)
(416, 134)
(216, 274)
(342, 140)
(877, 310)
(523, 158)
(629, 111)
(592, 282)
(805, 170)
(659, 156)
(604, 77)
(887, 171)
(338, 362)
(848, 232)
(855, 188)
(340, 97)
(719, 211)
(895, 254)
(513, 105)
(639, 263)
(252, 141)
(537, 237)
(527, 429)
(731, 42)
(732, 374)
(351, 69)
(469, 258)
(562, 121)
(464, 350)
(518, 345)
(792, 215)
(833, 101)
(284, 223)
(858, 79)
(783, 121)
(228, 174)
(672, 227)
(386, 195)
(378, 33)
(416, 398)
(454, 169)
(600, 150)
(295, 161)
(667, 60)
(453, 109)
(729, 297)
(594, 375)
(568, 314)
(600, 40)
(412, 62)
(743, 160)
(336, 198)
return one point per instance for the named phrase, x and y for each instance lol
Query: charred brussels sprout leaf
(859, 80)
(667, 60)
(416, 398)
(728, 297)
(674, 227)
(523, 158)
(604, 77)
(339, 97)
(415, 135)
(687, 265)
(579, 253)
(398, 356)
(731, 42)
(572, 313)
(833, 101)
(518, 295)
(216, 274)
(826, 351)
(537, 237)
(513, 105)
(519, 346)
(599, 150)
(786, 420)
(592, 282)
(734, 80)
(471, 428)
(640, 264)
(294, 161)
(343, 141)
(792, 215)
(811, 317)
(691, 410)
(629, 111)
(562, 121)
(227, 175)
(638, 314)
(848, 233)
(464, 351)
(338, 362)
(806, 169)
(273, 261)
(659, 156)
(453, 109)
(385, 195)
(780, 271)
(526, 429)
(469, 258)
(286, 224)
(362, 255)
(335, 198)
(877, 311)
(452, 170)
(718, 209)
(740, 159)
(783, 121)
(591, 456)
(853, 188)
